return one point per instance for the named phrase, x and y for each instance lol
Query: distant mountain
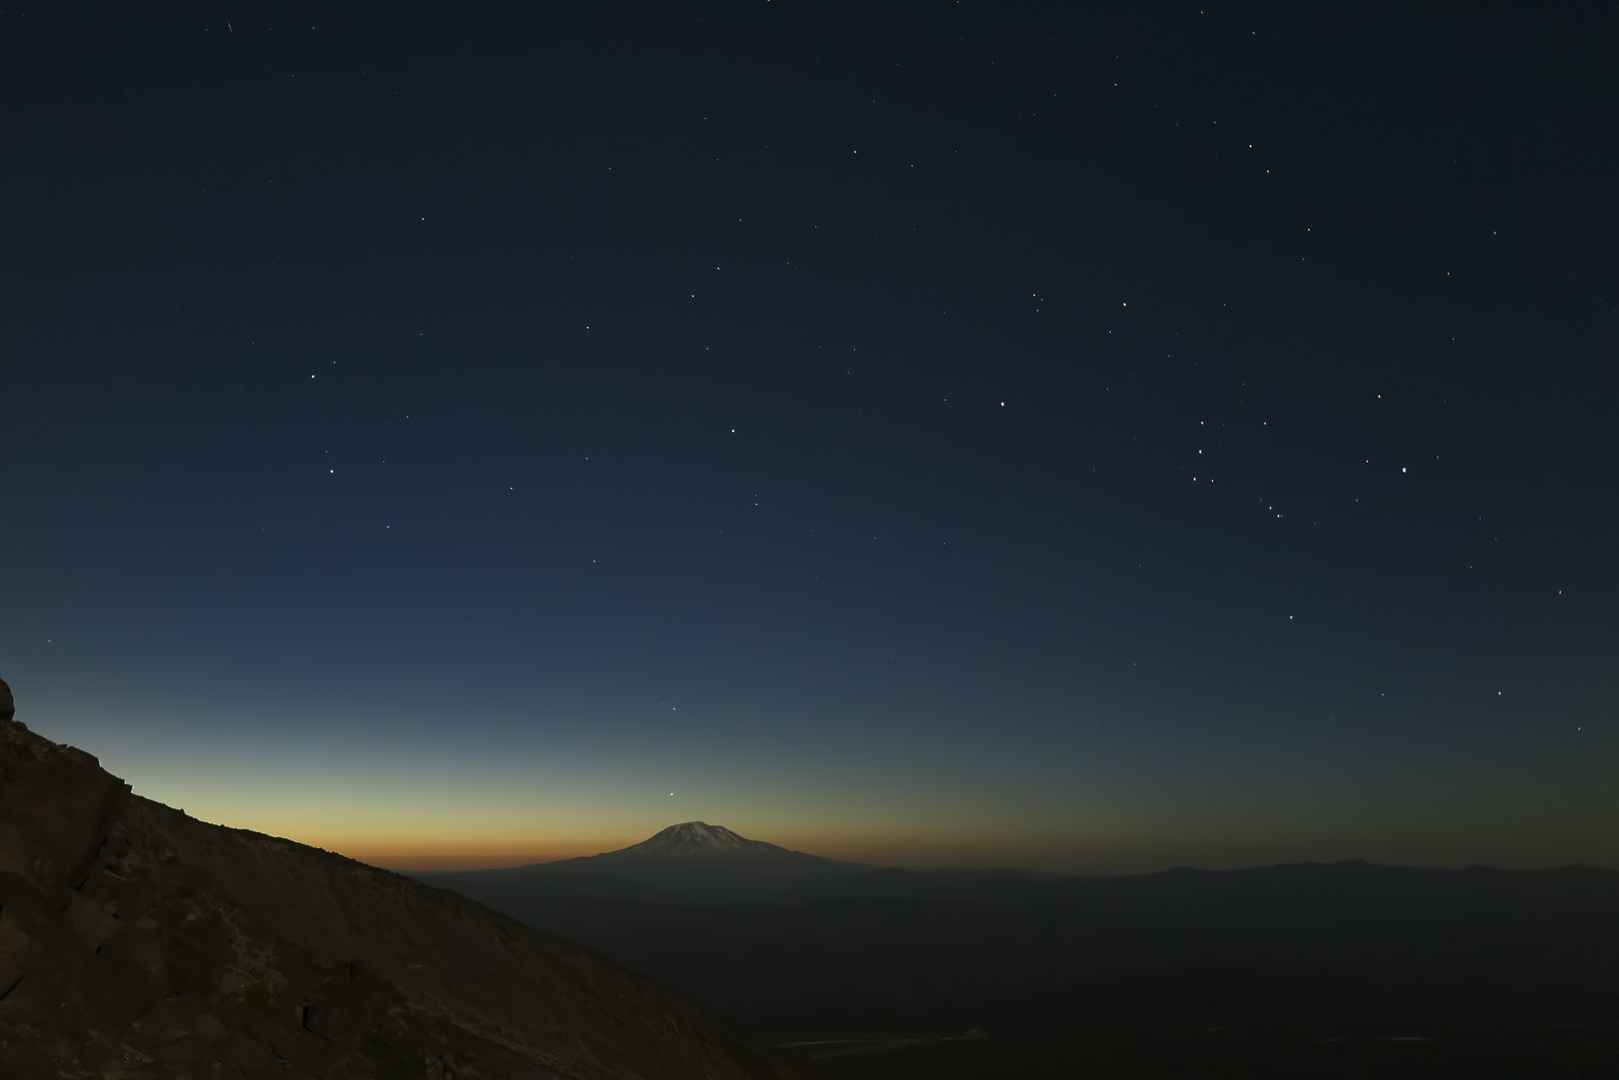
(136, 941)
(700, 840)
(693, 859)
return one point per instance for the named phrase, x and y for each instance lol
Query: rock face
(138, 942)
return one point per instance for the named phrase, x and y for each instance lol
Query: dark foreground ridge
(138, 942)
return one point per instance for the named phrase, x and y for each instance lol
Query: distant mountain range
(138, 942)
(786, 944)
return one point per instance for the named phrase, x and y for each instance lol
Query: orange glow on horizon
(899, 849)
(440, 853)
(461, 861)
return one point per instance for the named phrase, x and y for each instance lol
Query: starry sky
(1096, 437)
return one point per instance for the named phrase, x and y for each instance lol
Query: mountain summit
(693, 858)
(700, 840)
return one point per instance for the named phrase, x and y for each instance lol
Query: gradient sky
(947, 433)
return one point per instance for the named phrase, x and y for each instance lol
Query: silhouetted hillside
(135, 941)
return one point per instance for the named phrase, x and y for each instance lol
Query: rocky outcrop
(138, 942)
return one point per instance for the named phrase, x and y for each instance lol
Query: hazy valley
(1345, 968)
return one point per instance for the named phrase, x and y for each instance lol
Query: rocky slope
(138, 942)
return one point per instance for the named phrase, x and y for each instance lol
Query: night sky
(1096, 437)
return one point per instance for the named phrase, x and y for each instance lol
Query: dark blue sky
(1100, 438)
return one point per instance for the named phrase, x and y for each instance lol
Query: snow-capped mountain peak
(696, 839)
(696, 858)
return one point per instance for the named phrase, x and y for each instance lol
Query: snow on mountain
(699, 840)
